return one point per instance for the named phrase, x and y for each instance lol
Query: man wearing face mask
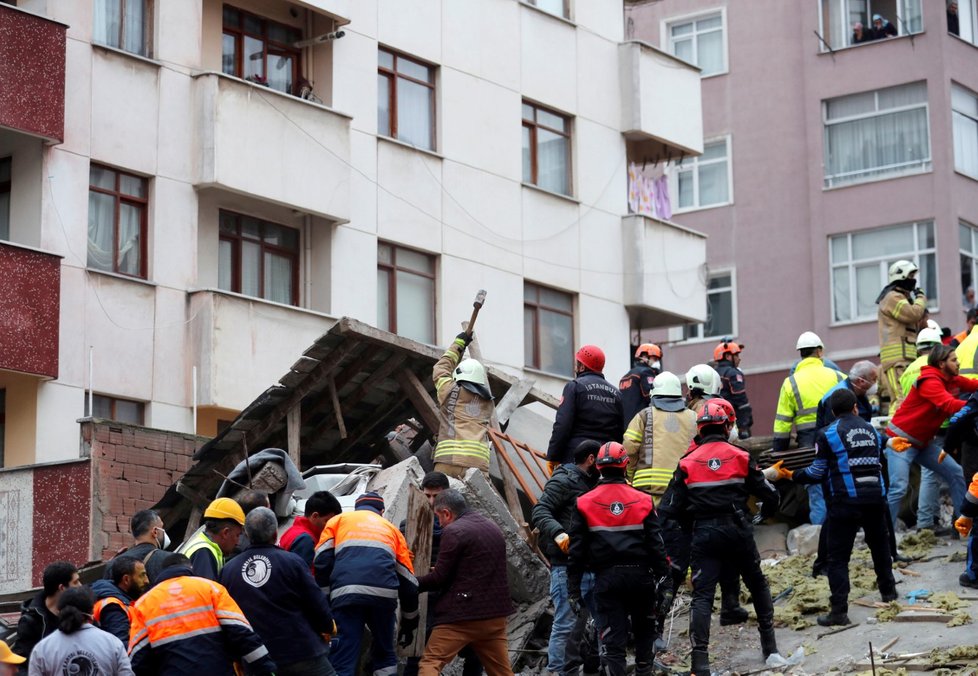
(862, 383)
(151, 541)
(902, 312)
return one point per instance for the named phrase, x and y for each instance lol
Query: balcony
(256, 141)
(32, 74)
(338, 10)
(664, 276)
(661, 109)
(242, 344)
(30, 307)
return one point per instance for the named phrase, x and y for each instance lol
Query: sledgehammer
(480, 300)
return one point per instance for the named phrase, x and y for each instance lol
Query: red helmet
(724, 347)
(728, 407)
(591, 356)
(648, 350)
(714, 413)
(612, 454)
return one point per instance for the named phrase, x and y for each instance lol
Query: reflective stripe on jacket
(363, 559)
(463, 438)
(966, 352)
(799, 397)
(655, 441)
(969, 506)
(899, 318)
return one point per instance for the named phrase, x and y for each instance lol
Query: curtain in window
(713, 184)
(552, 161)
(250, 268)
(278, 279)
(556, 342)
(912, 17)
(108, 14)
(965, 144)
(415, 306)
(413, 113)
(877, 145)
(966, 17)
(709, 48)
(130, 230)
(280, 73)
(101, 244)
(135, 21)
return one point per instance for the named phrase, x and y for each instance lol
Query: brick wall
(132, 467)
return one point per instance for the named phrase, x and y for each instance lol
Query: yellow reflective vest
(910, 376)
(966, 352)
(655, 441)
(800, 394)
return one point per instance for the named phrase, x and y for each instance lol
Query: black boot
(769, 645)
(731, 612)
(700, 665)
(834, 618)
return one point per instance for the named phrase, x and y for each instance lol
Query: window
(117, 206)
(548, 329)
(967, 20)
(258, 259)
(720, 311)
(701, 42)
(123, 24)
(113, 408)
(406, 292)
(860, 263)
(4, 198)
(704, 181)
(558, 7)
(260, 51)
(405, 99)
(546, 149)
(838, 19)
(874, 135)
(969, 264)
(964, 105)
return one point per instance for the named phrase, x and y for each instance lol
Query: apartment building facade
(228, 178)
(825, 159)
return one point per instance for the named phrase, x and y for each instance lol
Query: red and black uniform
(301, 539)
(711, 486)
(615, 533)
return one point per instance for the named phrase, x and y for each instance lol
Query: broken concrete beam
(394, 484)
(522, 626)
(529, 578)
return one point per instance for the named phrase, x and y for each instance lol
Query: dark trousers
(822, 557)
(623, 594)
(350, 621)
(318, 666)
(721, 543)
(678, 542)
(844, 520)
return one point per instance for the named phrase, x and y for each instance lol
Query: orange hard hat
(648, 350)
(725, 347)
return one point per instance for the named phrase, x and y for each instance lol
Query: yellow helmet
(225, 508)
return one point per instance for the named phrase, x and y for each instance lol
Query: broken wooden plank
(366, 387)
(422, 401)
(921, 616)
(293, 422)
(838, 630)
(337, 409)
(419, 528)
(512, 399)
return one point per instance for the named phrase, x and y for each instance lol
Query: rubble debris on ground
(918, 544)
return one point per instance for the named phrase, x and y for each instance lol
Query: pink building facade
(823, 163)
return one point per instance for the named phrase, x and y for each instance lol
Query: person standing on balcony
(859, 34)
(466, 405)
(902, 312)
(636, 385)
(882, 28)
(733, 387)
(953, 25)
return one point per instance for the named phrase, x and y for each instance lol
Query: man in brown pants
(470, 575)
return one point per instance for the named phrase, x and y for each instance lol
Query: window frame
(237, 238)
(147, 47)
(393, 268)
(239, 35)
(533, 125)
(566, 11)
(883, 263)
(972, 256)
(696, 162)
(972, 118)
(665, 30)
(921, 166)
(5, 188)
(677, 334)
(847, 26)
(534, 361)
(118, 199)
(971, 16)
(113, 403)
(391, 75)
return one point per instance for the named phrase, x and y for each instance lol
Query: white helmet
(703, 377)
(928, 337)
(931, 324)
(471, 371)
(666, 384)
(902, 269)
(808, 339)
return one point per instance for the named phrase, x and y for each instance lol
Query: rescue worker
(187, 624)
(615, 534)
(658, 436)
(712, 485)
(466, 404)
(636, 385)
(970, 318)
(967, 352)
(223, 524)
(702, 383)
(116, 595)
(733, 386)
(963, 524)
(364, 561)
(861, 382)
(798, 406)
(902, 311)
(590, 408)
(848, 464)
(303, 535)
(552, 516)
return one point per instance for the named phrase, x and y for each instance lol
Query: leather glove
(405, 636)
(563, 541)
(664, 595)
(575, 604)
(464, 339)
(551, 466)
(899, 444)
(963, 525)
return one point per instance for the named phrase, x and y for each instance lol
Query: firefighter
(590, 408)
(466, 404)
(712, 484)
(615, 533)
(733, 387)
(963, 524)
(702, 383)
(636, 385)
(902, 311)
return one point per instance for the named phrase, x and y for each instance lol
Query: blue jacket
(278, 595)
(112, 618)
(847, 462)
(824, 416)
(590, 408)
